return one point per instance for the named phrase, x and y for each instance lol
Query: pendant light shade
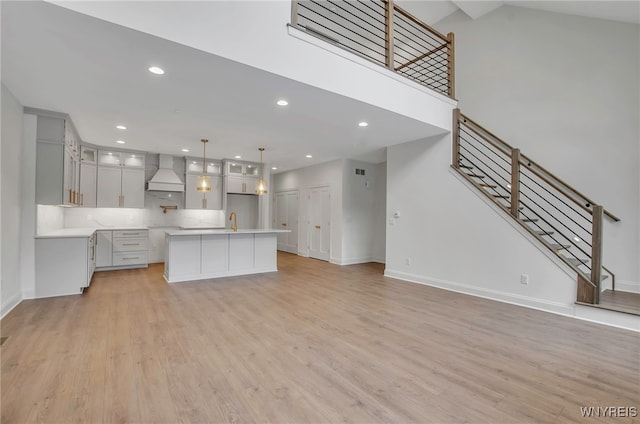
(204, 181)
(261, 184)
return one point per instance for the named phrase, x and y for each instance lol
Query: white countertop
(209, 232)
(203, 227)
(83, 232)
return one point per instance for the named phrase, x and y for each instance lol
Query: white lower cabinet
(122, 249)
(191, 256)
(64, 265)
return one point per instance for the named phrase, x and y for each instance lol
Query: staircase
(555, 214)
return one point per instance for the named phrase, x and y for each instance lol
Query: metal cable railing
(383, 33)
(564, 220)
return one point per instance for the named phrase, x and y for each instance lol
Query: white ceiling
(433, 11)
(60, 60)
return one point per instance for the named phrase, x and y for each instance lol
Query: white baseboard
(586, 313)
(628, 286)
(529, 302)
(354, 261)
(9, 304)
(611, 318)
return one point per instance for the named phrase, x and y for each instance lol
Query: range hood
(165, 178)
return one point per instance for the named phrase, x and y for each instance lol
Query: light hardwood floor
(312, 343)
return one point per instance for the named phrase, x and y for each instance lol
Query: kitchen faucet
(233, 216)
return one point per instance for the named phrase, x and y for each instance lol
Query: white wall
(326, 174)
(360, 202)
(448, 236)
(11, 124)
(357, 208)
(565, 89)
(380, 218)
(256, 33)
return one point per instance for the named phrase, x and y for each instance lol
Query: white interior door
(280, 221)
(292, 222)
(320, 223)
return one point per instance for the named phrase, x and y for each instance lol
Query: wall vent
(359, 171)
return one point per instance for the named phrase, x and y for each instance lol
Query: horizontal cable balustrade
(564, 220)
(385, 34)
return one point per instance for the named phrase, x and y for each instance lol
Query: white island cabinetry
(197, 255)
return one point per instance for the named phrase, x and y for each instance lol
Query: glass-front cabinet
(241, 177)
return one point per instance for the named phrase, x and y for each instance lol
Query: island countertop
(226, 231)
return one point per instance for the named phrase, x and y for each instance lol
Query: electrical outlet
(524, 279)
(407, 262)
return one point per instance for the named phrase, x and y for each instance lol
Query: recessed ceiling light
(110, 153)
(309, 156)
(249, 166)
(156, 70)
(120, 141)
(133, 156)
(282, 102)
(121, 127)
(237, 156)
(185, 150)
(274, 167)
(193, 161)
(363, 124)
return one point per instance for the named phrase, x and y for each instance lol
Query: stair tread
(530, 219)
(476, 175)
(465, 166)
(500, 196)
(556, 246)
(488, 185)
(576, 261)
(544, 233)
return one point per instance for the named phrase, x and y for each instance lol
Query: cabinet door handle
(131, 244)
(70, 196)
(284, 225)
(318, 227)
(130, 234)
(131, 258)
(81, 199)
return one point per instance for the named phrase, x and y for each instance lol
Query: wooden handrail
(552, 184)
(526, 160)
(474, 123)
(420, 23)
(576, 192)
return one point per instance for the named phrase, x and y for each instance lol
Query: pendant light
(204, 181)
(261, 185)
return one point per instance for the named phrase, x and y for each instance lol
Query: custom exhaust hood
(165, 179)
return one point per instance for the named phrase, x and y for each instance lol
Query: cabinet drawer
(129, 244)
(131, 233)
(129, 258)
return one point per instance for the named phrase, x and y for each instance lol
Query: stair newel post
(389, 34)
(596, 250)
(451, 69)
(294, 13)
(455, 139)
(515, 182)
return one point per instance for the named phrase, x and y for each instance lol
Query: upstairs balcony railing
(385, 34)
(559, 216)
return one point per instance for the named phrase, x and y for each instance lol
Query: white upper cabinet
(120, 179)
(241, 177)
(57, 161)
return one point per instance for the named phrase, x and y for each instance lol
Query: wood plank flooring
(620, 301)
(311, 343)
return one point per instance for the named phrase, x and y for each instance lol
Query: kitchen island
(202, 254)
